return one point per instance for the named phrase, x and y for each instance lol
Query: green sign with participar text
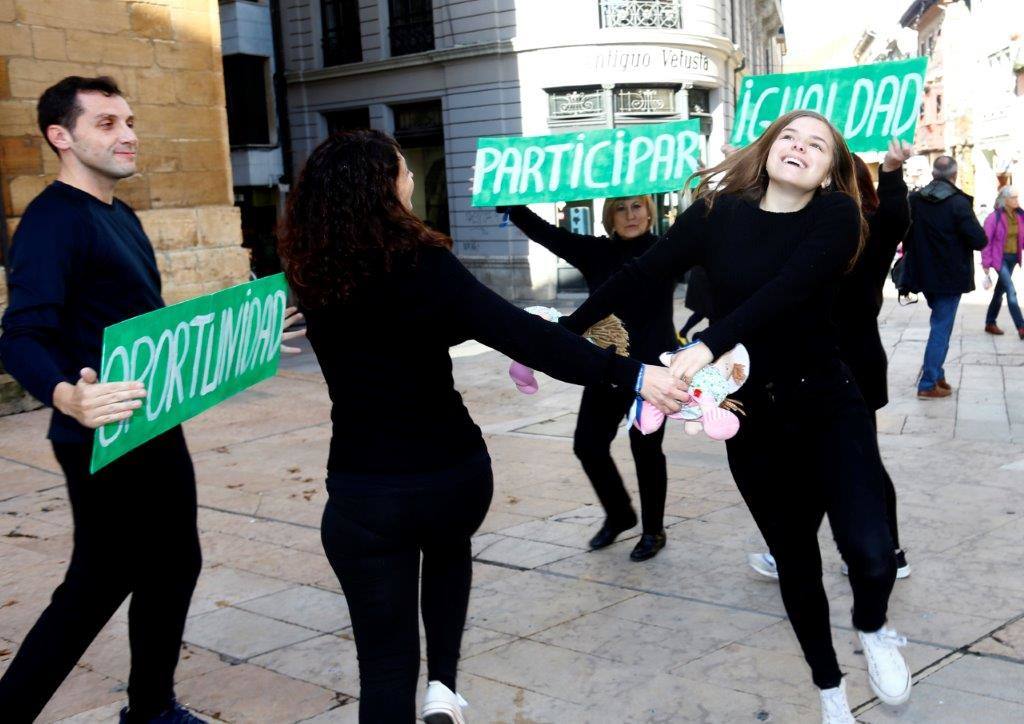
(869, 104)
(190, 356)
(603, 163)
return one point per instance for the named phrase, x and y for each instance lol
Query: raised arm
(681, 248)
(577, 249)
(892, 219)
(817, 262)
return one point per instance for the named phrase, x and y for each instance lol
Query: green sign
(609, 162)
(869, 104)
(190, 356)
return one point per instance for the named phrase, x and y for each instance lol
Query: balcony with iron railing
(661, 14)
(413, 33)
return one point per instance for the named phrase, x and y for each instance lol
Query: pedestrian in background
(1004, 228)
(939, 252)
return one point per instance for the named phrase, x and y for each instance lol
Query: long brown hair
(866, 185)
(745, 172)
(344, 221)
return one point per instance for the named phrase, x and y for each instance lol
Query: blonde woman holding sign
(777, 232)
(648, 319)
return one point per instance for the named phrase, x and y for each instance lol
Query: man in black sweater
(944, 233)
(80, 262)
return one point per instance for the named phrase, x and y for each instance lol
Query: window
(419, 128)
(698, 101)
(411, 29)
(342, 42)
(245, 90)
(350, 119)
(641, 14)
(576, 105)
(645, 102)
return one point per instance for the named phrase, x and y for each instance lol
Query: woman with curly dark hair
(408, 471)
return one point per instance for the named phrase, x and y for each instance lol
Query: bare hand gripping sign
(869, 104)
(190, 356)
(604, 163)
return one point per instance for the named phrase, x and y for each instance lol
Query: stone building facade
(166, 56)
(440, 74)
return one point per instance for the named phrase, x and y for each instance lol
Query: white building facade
(438, 75)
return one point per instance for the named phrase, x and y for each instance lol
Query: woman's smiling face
(801, 155)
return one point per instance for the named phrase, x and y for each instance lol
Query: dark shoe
(176, 714)
(648, 546)
(943, 385)
(610, 531)
(934, 393)
(993, 329)
(1020, 332)
(902, 567)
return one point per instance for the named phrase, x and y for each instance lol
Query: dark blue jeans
(943, 308)
(1004, 285)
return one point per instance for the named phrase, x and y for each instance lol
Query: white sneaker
(902, 567)
(835, 709)
(441, 705)
(887, 671)
(764, 564)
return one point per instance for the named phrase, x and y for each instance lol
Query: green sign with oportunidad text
(869, 104)
(609, 162)
(190, 356)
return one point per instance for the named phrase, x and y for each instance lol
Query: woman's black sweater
(860, 293)
(647, 315)
(384, 354)
(773, 278)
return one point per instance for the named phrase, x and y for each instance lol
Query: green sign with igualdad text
(869, 104)
(190, 356)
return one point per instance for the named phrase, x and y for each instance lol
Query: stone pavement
(556, 633)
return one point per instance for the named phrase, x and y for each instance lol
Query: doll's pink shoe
(649, 419)
(720, 424)
(523, 376)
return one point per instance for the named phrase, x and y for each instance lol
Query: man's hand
(663, 390)
(291, 317)
(687, 362)
(899, 151)
(94, 404)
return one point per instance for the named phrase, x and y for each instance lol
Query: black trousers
(135, 533)
(807, 449)
(601, 411)
(374, 530)
(890, 496)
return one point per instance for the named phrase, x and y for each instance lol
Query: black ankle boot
(648, 546)
(610, 531)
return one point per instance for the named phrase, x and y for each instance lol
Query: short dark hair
(58, 105)
(944, 168)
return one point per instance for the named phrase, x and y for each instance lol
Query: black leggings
(374, 529)
(890, 496)
(807, 449)
(601, 411)
(692, 322)
(135, 533)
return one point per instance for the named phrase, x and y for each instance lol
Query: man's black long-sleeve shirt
(384, 354)
(77, 265)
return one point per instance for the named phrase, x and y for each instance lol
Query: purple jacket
(995, 230)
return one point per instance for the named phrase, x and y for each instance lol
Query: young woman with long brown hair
(648, 319)
(858, 304)
(775, 232)
(408, 472)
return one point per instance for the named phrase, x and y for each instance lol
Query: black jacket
(647, 316)
(943, 236)
(860, 292)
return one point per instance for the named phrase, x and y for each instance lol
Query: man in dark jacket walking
(940, 246)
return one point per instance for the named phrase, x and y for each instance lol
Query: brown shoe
(934, 393)
(993, 329)
(943, 385)
(1020, 332)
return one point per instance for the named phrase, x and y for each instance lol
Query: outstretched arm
(577, 249)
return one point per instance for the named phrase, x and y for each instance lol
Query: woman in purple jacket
(1005, 230)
